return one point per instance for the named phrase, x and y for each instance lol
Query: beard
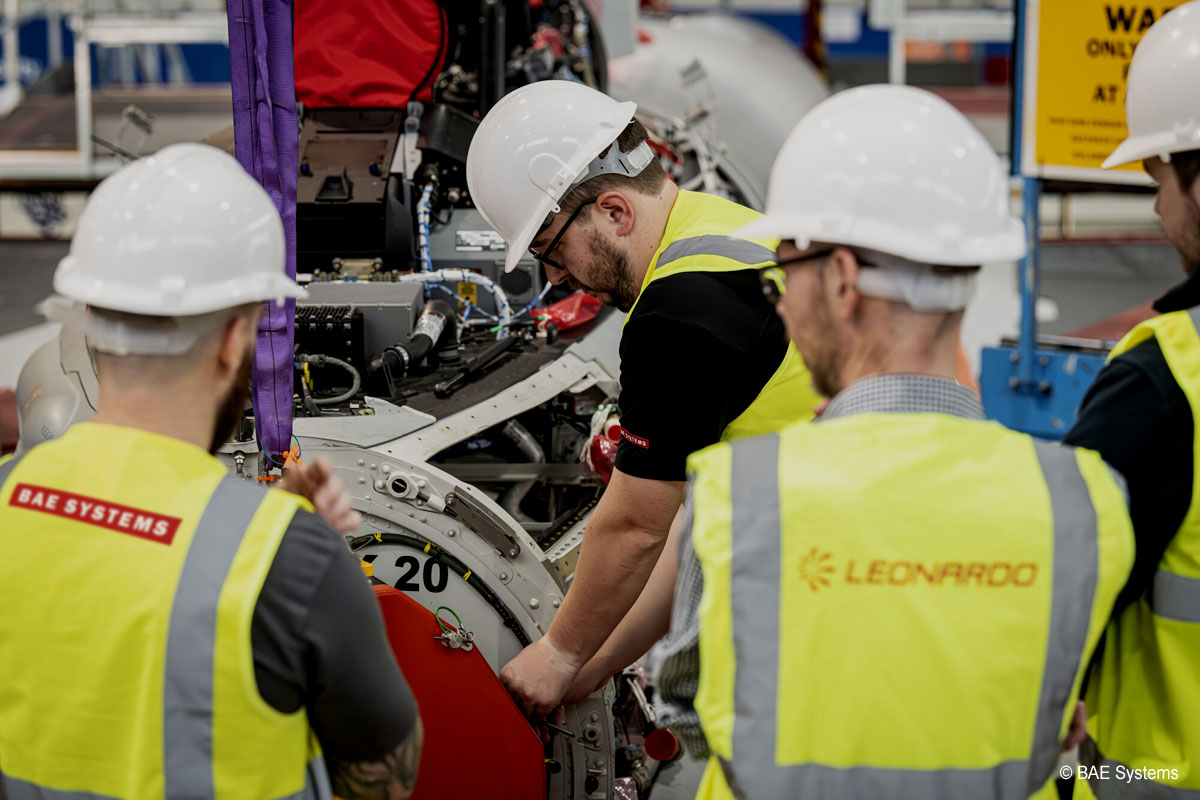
(823, 362)
(610, 276)
(231, 409)
(1188, 245)
(820, 348)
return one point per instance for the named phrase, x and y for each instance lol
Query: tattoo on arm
(392, 777)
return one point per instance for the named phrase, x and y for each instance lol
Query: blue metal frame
(1024, 387)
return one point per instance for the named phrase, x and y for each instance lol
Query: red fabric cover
(477, 743)
(366, 55)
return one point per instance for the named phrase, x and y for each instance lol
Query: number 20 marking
(435, 575)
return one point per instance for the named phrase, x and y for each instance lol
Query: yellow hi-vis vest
(1144, 696)
(699, 238)
(898, 606)
(130, 565)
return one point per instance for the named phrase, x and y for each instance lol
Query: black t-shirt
(319, 644)
(695, 353)
(1139, 420)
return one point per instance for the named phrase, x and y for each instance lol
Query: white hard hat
(1162, 94)
(895, 170)
(537, 144)
(182, 233)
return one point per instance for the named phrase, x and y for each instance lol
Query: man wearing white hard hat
(900, 599)
(566, 174)
(167, 629)
(1141, 415)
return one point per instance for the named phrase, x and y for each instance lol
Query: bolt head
(372, 466)
(386, 468)
(1014, 382)
(361, 462)
(534, 603)
(362, 480)
(557, 603)
(452, 532)
(503, 576)
(380, 485)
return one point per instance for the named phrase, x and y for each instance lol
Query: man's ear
(614, 210)
(841, 282)
(235, 332)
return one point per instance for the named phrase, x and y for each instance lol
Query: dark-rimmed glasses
(544, 258)
(774, 277)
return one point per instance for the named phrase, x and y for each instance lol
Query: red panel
(477, 743)
(345, 59)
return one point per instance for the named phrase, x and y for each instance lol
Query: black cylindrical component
(436, 328)
(492, 61)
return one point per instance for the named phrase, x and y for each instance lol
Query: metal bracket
(479, 519)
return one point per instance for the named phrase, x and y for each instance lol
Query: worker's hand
(590, 679)
(315, 482)
(539, 677)
(1078, 728)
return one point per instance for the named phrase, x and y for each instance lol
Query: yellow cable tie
(379, 537)
(427, 546)
(467, 577)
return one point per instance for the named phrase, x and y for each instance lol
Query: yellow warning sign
(1077, 60)
(469, 292)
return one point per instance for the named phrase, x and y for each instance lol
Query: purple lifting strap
(267, 146)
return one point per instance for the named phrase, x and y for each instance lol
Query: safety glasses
(544, 258)
(774, 277)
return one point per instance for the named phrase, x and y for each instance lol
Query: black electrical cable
(459, 568)
(443, 40)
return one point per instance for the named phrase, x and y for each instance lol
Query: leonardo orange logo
(816, 568)
(819, 569)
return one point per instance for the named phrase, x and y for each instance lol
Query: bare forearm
(392, 777)
(647, 621)
(613, 568)
(623, 542)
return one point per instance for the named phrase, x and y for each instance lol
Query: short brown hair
(1187, 168)
(649, 181)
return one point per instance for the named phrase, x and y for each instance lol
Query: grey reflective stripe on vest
(731, 247)
(13, 789)
(1175, 597)
(7, 467)
(192, 636)
(1076, 570)
(1122, 788)
(755, 595)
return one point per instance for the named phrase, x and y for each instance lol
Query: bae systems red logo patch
(639, 441)
(101, 513)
